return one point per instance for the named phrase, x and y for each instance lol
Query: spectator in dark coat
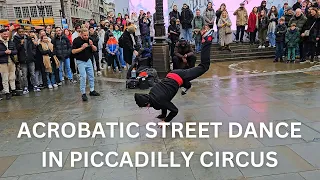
(184, 57)
(297, 5)
(93, 35)
(174, 34)
(186, 19)
(280, 32)
(263, 6)
(144, 26)
(26, 48)
(174, 13)
(129, 44)
(7, 65)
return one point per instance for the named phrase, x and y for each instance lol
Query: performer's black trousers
(189, 74)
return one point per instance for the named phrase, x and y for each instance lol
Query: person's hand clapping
(90, 42)
(85, 45)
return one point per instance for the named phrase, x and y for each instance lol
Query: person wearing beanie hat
(161, 95)
(280, 33)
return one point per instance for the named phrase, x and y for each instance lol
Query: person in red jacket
(252, 25)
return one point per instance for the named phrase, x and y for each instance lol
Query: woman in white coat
(225, 33)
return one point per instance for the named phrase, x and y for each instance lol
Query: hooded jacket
(4, 58)
(292, 37)
(262, 7)
(160, 97)
(174, 28)
(62, 47)
(175, 14)
(186, 18)
(242, 16)
(27, 51)
(280, 32)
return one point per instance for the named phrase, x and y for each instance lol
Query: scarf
(272, 24)
(46, 58)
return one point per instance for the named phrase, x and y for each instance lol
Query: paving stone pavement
(275, 98)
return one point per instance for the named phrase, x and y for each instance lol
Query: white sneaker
(260, 47)
(99, 73)
(50, 87)
(60, 84)
(25, 91)
(274, 46)
(269, 46)
(307, 61)
(109, 67)
(263, 47)
(124, 67)
(55, 86)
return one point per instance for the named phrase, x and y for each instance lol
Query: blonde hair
(83, 30)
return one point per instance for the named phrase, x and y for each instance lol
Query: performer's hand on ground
(161, 116)
(160, 126)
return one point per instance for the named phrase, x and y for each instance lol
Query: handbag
(307, 32)
(228, 30)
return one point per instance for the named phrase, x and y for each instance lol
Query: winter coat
(261, 7)
(242, 16)
(174, 14)
(3, 56)
(299, 21)
(198, 22)
(281, 12)
(218, 14)
(180, 51)
(62, 47)
(186, 18)
(263, 23)
(95, 39)
(287, 18)
(145, 27)
(280, 32)
(292, 38)
(224, 39)
(314, 31)
(173, 27)
(28, 54)
(112, 46)
(296, 6)
(209, 16)
(252, 22)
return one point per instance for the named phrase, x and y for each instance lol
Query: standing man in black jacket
(62, 49)
(186, 22)
(174, 13)
(26, 47)
(7, 66)
(93, 35)
(161, 95)
(297, 5)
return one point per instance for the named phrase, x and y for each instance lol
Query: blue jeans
(279, 50)
(198, 46)
(86, 68)
(120, 57)
(187, 34)
(146, 41)
(65, 65)
(272, 38)
(51, 79)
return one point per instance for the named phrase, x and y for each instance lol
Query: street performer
(161, 94)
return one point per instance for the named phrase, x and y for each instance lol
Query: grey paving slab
(106, 173)
(261, 98)
(16, 146)
(117, 138)
(64, 143)
(223, 142)
(32, 163)
(315, 126)
(90, 151)
(288, 162)
(10, 178)
(157, 173)
(293, 176)
(307, 152)
(310, 175)
(5, 163)
(177, 145)
(307, 133)
(213, 173)
(76, 174)
(238, 110)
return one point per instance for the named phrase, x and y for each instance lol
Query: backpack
(132, 83)
(120, 41)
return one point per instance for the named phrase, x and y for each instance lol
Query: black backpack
(121, 43)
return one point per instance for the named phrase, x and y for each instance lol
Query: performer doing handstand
(161, 94)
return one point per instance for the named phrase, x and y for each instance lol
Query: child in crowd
(112, 49)
(292, 40)
(263, 28)
(281, 30)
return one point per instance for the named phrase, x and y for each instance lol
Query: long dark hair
(275, 12)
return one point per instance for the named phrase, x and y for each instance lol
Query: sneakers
(25, 91)
(60, 84)
(36, 89)
(94, 93)
(8, 96)
(55, 86)
(263, 47)
(72, 81)
(99, 73)
(84, 97)
(184, 91)
(50, 86)
(260, 47)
